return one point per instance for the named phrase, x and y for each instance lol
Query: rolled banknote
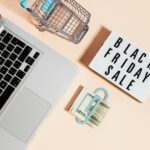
(79, 108)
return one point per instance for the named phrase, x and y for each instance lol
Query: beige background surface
(127, 125)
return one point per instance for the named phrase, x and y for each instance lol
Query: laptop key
(7, 77)
(13, 56)
(29, 60)
(10, 47)
(7, 38)
(15, 81)
(20, 74)
(12, 71)
(1, 60)
(17, 53)
(36, 55)
(1, 91)
(1, 76)
(17, 64)
(3, 70)
(3, 84)
(17, 50)
(25, 53)
(3, 33)
(5, 95)
(8, 63)
(16, 41)
(2, 46)
(5, 54)
(27, 68)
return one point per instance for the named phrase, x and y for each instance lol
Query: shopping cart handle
(47, 4)
(23, 4)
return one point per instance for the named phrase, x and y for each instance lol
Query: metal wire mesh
(66, 17)
(82, 13)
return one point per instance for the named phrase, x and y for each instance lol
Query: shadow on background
(78, 91)
(95, 45)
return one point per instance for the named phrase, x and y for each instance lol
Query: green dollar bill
(99, 114)
(81, 103)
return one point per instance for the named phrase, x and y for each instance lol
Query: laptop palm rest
(24, 115)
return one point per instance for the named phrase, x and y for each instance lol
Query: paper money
(78, 108)
(97, 117)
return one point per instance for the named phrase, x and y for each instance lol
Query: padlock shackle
(96, 98)
(102, 90)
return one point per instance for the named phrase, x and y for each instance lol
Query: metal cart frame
(65, 18)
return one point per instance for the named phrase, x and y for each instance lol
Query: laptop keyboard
(16, 59)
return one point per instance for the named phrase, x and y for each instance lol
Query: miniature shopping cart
(65, 18)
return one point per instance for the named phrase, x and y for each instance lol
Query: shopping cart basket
(65, 18)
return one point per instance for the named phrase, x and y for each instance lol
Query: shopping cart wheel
(80, 36)
(41, 27)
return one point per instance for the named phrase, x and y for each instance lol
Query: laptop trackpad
(24, 114)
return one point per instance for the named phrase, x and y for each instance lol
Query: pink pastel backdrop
(127, 125)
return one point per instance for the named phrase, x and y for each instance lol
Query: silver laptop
(32, 79)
